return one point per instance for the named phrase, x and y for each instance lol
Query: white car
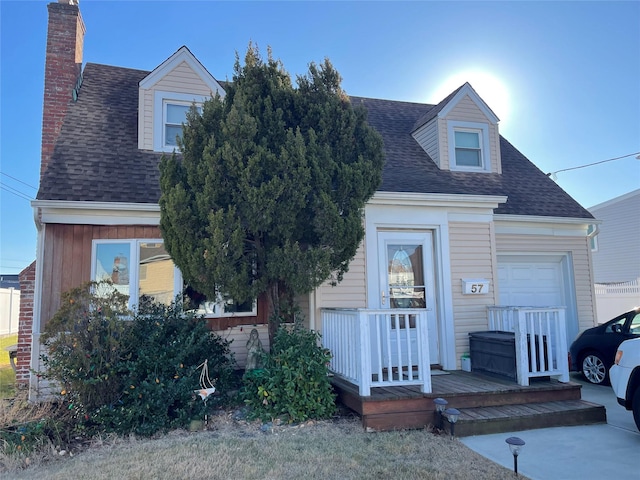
(625, 377)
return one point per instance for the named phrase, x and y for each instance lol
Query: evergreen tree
(268, 192)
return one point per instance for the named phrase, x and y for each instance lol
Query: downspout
(37, 301)
(312, 310)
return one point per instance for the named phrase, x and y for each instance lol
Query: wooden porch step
(506, 418)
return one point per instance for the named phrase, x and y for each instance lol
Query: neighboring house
(462, 220)
(615, 252)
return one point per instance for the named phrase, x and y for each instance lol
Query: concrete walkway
(610, 451)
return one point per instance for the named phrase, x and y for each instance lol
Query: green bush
(294, 383)
(126, 372)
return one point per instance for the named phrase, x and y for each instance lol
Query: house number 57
(476, 288)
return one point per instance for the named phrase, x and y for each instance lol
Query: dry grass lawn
(234, 449)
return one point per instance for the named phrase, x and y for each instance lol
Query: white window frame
(160, 100)
(482, 130)
(134, 262)
(178, 284)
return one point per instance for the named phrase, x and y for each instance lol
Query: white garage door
(529, 281)
(531, 284)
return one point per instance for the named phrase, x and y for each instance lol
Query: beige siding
(471, 257)
(350, 293)
(443, 142)
(577, 247)
(146, 123)
(238, 336)
(427, 137)
(181, 79)
(468, 111)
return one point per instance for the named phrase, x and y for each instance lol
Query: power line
(553, 174)
(19, 181)
(15, 192)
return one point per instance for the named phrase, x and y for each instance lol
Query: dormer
(165, 96)
(461, 133)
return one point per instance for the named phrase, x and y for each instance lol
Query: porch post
(364, 339)
(522, 360)
(424, 354)
(561, 346)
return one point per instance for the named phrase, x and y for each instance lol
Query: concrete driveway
(590, 452)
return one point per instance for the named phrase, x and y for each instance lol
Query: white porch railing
(378, 348)
(540, 340)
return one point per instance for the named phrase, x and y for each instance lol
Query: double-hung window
(141, 269)
(469, 146)
(170, 113)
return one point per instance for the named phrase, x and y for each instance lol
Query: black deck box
(494, 352)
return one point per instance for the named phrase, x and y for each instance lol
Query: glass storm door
(407, 281)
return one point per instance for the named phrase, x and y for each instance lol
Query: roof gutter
(95, 213)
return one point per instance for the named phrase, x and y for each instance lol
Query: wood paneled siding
(67, 264)
(471, 257)
(577, 248)
(350, 293)
(181, 79)
(467, 111)
(427, 137)
(67, 258)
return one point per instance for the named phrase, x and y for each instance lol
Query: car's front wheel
(594, 369)
(636, 407)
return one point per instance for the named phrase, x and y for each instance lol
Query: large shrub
(128, 372)
(294, 384)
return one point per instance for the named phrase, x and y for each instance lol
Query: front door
(407, 280)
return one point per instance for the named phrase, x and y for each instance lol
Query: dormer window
(174, 116)
(170, 112)
(469, 146)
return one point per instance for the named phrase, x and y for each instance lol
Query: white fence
(613, 299)
(540, 340)
(9, 310)
(378, 348)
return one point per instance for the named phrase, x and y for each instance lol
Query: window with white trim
(141, 269)
(170, 113)
(469, 146)
(219, 306)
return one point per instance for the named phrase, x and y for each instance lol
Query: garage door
(531, 284)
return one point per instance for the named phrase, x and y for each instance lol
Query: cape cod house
(463, 222)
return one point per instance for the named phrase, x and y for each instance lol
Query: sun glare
(490, 88)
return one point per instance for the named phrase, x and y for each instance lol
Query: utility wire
(19, 181)
(15, 192)
(552, 174)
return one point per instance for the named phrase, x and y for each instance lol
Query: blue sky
(563, 77)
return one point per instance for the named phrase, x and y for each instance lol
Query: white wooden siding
(472, 256)
(467, 110)
(182, 79)
(576, 247)
(350, 293)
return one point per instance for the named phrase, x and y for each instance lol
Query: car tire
(635, 406)
(594, 369)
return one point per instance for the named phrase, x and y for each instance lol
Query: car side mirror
(617, 328)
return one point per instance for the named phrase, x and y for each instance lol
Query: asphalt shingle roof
(97, 159)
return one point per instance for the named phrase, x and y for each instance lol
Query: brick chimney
(63, 66)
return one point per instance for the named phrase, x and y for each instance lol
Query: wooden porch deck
(488, 404)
